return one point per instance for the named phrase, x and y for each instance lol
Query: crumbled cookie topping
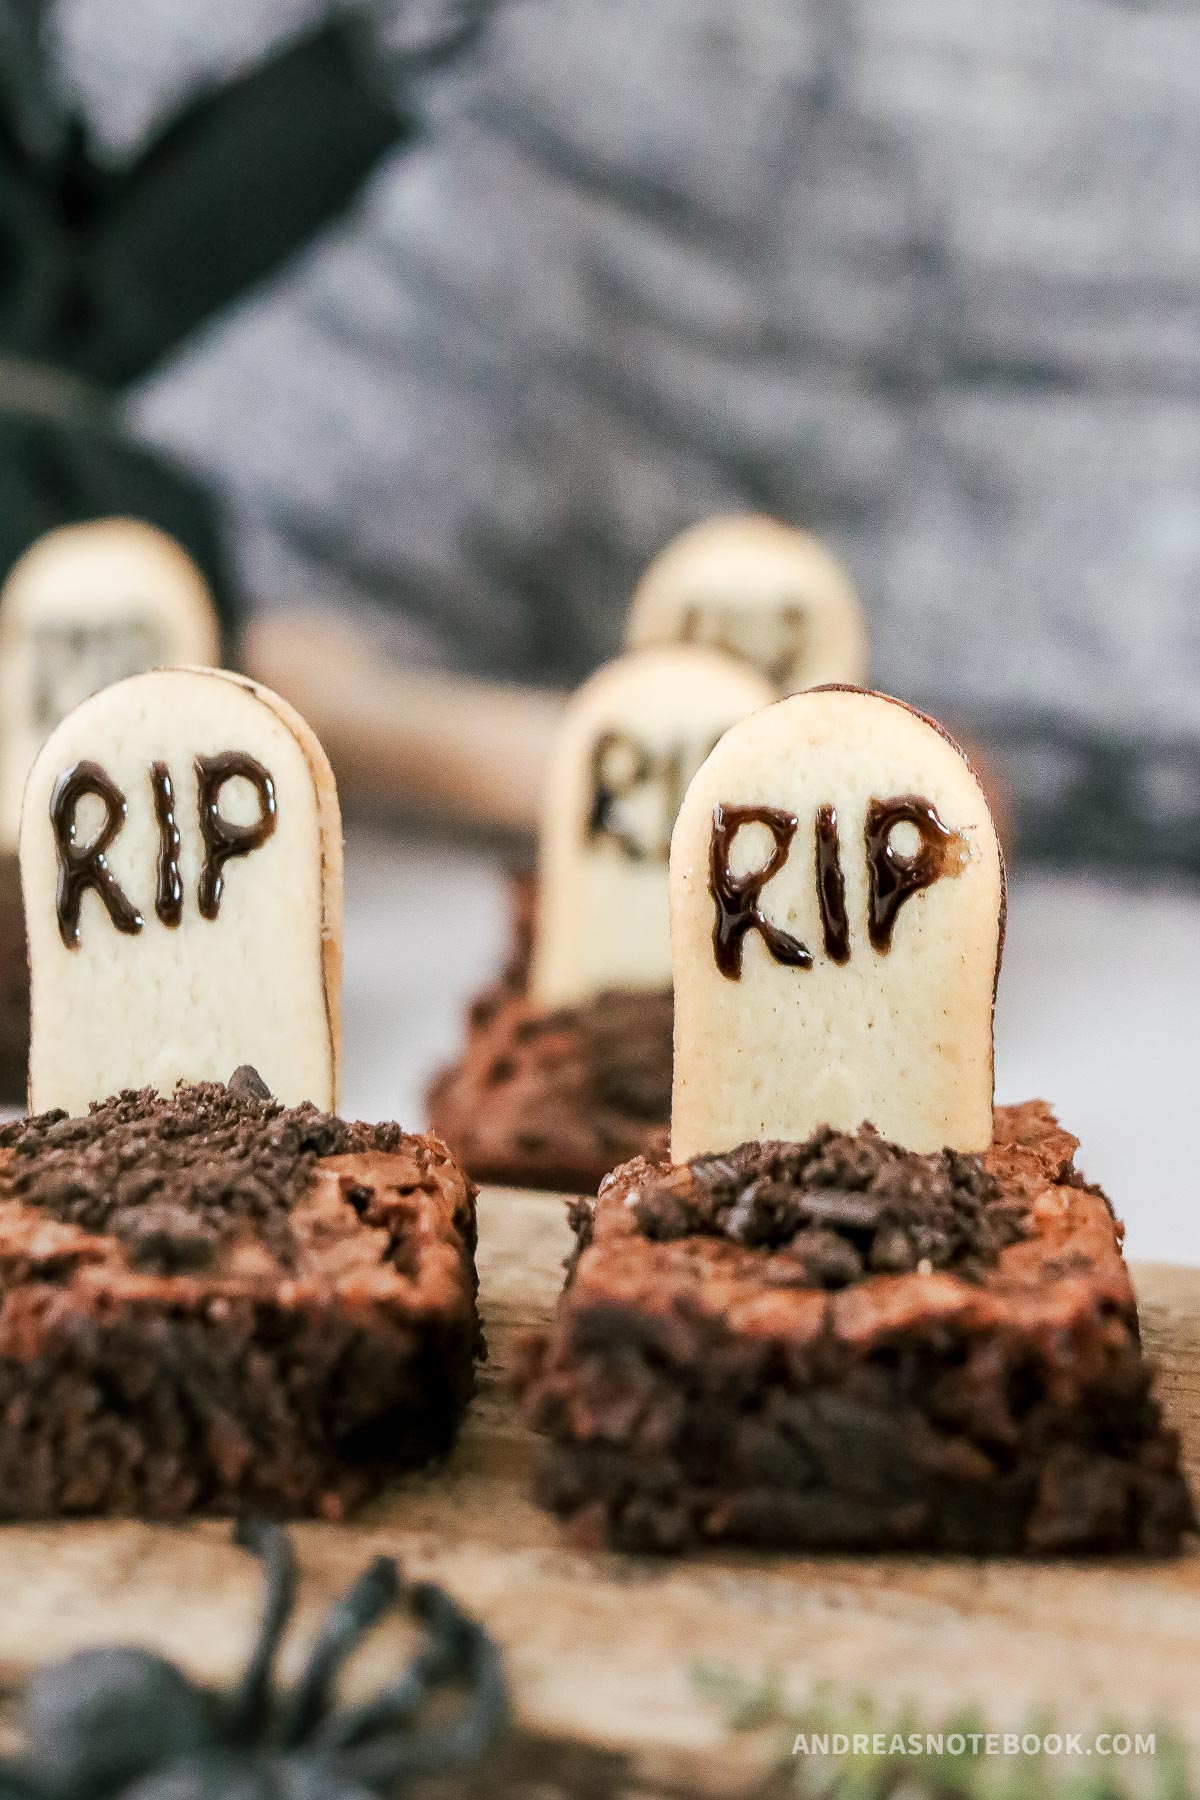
(839, 1206)
(172, 1179)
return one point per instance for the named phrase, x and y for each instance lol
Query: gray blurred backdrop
(920, 274)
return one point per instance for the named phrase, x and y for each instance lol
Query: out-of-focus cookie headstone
(759, 590)
(631, 740)
(85, 606)
(181, 870)
(837, 904)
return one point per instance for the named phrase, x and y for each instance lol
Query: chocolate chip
(247, 1084)
(359, 1196)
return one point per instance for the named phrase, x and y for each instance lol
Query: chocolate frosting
(895, 878)
(222, 838)
(83, 867)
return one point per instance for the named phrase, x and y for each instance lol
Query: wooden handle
(404, 739)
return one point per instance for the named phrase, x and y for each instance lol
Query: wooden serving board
(602, 1649)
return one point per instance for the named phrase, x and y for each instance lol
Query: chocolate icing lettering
(737, 896)
(69, 661)
(223, 839)
(894, 879)
(831, 887)
(771, 639)
(80, 869)
(793, 620)
(612, 783)
(168, 900)
(621, 766)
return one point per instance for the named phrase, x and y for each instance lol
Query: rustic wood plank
(602, 1648)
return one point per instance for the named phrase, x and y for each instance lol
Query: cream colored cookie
(837, 904)
(630, 741)
(181, 870)
(85, 606)
(759, 590)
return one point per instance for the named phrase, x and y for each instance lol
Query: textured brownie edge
(684, 1405)
(247, 1388)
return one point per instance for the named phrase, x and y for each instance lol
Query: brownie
(216, 1303)
(14, 986)
(554, 1099)
(840, 1344)
(522, 928)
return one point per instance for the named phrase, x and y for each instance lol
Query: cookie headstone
(181, 870)
(85, 606)
(837, 905)
(759, 590)
(631, 740)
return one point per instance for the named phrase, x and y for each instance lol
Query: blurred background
(425, 326)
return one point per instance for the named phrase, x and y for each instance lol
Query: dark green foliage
(887, 1769)
(105, 267)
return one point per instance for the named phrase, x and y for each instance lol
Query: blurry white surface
(426, 928)
(1099, 1011)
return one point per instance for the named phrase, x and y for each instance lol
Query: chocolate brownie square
(554, 1098)
(215, 1303)
(841, 1344)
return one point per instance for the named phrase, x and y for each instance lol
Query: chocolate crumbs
(175, 1179)
(838, 1207)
